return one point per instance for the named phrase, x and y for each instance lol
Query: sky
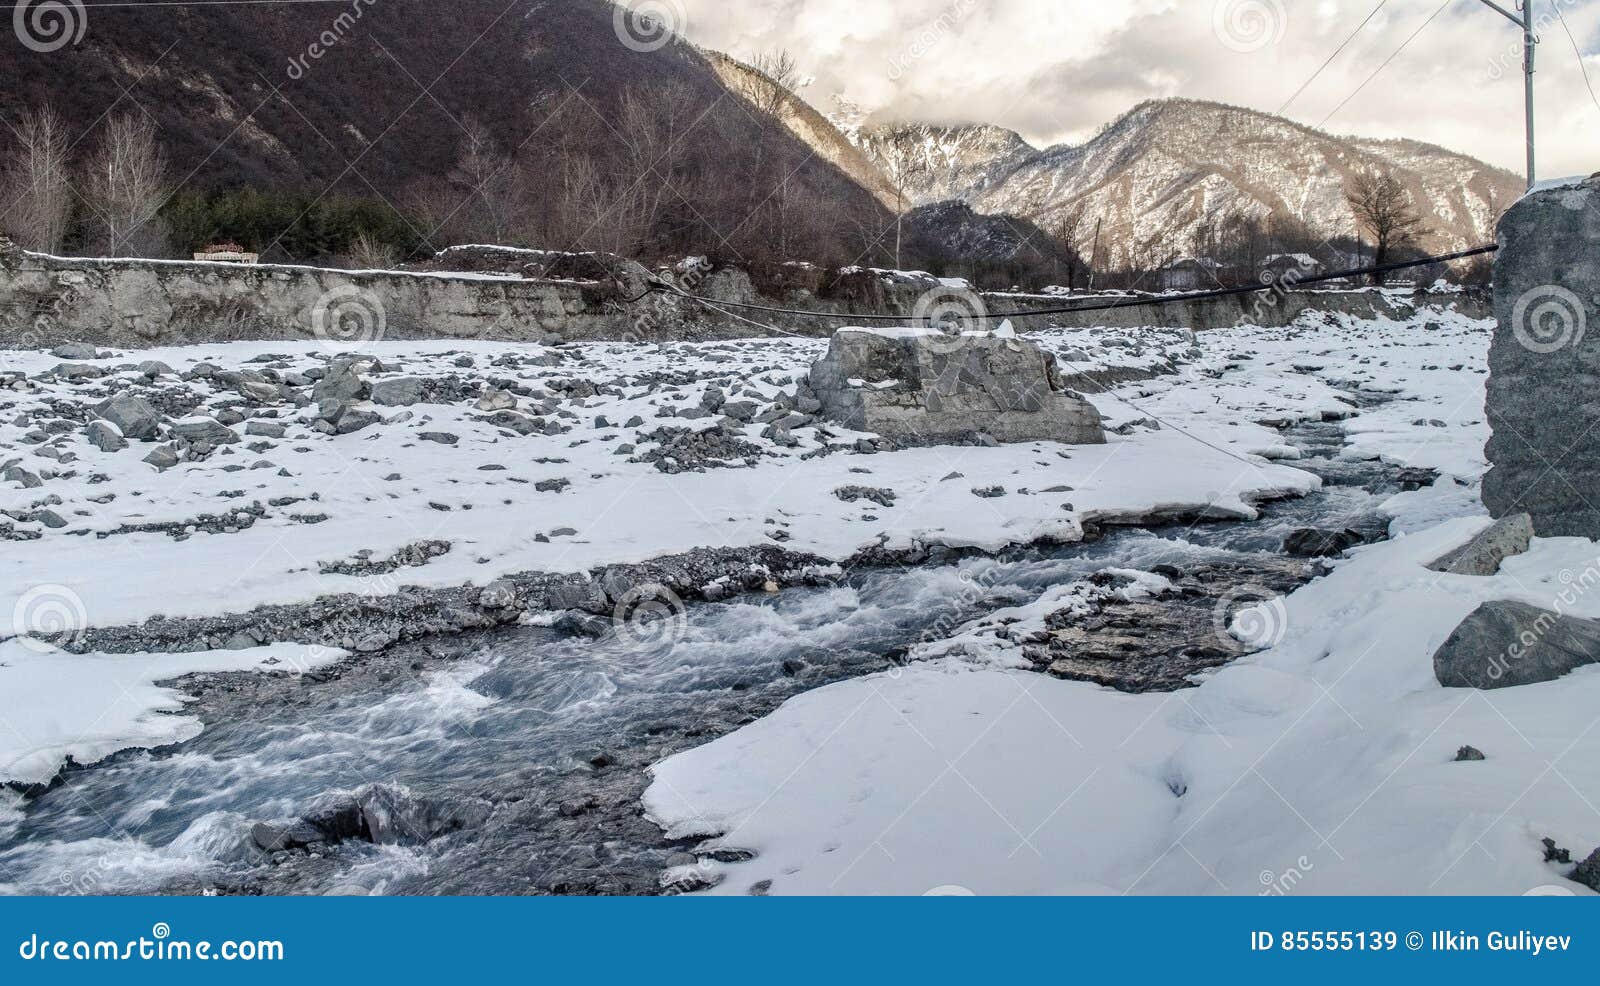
(1058, 70)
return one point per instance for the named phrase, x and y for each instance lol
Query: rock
(270, 837)
(1544, 452)
(1309, 542)
(551, 485)
(1588, 872)
(850, 494)
(74, 350)
(936, 389)
(162, 457)
(105, 436)
(265, 429)
(442, 437)
(17, 474)
(1503, 644)
(1482, 555)
(1469, 753)
(500, 594)
(341, 382)
(133, 416)
(495, 399)
(398, 391)
(204, 429)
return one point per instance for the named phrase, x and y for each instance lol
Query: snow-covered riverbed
(1321, 764)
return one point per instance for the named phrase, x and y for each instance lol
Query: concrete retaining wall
(45, 301)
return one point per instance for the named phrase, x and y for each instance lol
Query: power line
(1385, 64)
(1342, 45)
(664, 287)
(1578, 52)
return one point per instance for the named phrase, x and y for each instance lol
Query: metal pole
(1528, 44)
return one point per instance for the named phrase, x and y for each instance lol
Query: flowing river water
(512, 761)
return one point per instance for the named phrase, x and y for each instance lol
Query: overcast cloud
(1056, 70)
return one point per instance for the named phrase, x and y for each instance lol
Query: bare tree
(774, 78)
(493, 194)
(1384, 208)
(127, 186)
(1069, 229)
(37, 187)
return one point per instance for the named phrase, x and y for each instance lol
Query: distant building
(1188, 274)
(227, 253)
(1287, 268)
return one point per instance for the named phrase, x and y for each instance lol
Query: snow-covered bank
(285, 514)
(55, 705)
(1324, 764)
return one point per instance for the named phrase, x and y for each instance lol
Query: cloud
(1057, 70)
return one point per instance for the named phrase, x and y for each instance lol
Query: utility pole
(1529, 41)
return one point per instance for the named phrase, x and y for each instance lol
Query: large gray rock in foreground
(928, 389)
(1544, 364)
(1503, 644)
(1482, 555)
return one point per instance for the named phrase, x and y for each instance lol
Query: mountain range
(1160, 172)
(373, 100)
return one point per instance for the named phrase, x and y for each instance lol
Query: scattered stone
(162, 457)
(397, 391)
(133, 416)
(1503, 644)
(1482, 555)
(442, 437)
(495, 399)
(1467, 753)
(850, 494)
(1309, 542)
(204, 429)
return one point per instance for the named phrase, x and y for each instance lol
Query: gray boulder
(920, 388)
(397, 391)
(132, 415)
(75, 350)
(1544, 452)
(105, 436)
(204, 429)
(341, 382)
(1483, 554)
(1504, 644)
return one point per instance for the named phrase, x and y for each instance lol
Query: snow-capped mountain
(1166, 167)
